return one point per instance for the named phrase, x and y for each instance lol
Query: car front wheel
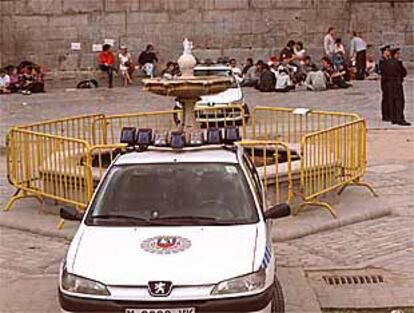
(278, 302)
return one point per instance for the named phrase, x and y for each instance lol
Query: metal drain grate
(353, 280)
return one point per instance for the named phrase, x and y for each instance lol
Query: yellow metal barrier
(331, 146)
(332, 158)
(290, 125)
(77, 127)
(64, 159)
(271, 162)
(222, 116)
(42, 165)
(101, 156)
(107, 129)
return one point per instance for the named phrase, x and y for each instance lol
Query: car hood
(228, 96)
(199, 255)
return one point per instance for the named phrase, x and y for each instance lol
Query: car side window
(254, 176)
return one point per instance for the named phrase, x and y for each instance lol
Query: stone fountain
(187, 88)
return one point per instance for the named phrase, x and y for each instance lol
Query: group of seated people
(146, 61)
(26, 78)
(294, 68)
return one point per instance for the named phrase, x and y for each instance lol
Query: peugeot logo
(159, 288)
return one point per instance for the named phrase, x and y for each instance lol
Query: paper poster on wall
(96, 48)
(75, 46)
(110, 42)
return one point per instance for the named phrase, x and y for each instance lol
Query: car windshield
(173, 194)
(217, 72)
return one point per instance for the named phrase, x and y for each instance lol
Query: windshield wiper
(129, 218)
(190, 218)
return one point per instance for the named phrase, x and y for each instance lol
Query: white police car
(174, 231)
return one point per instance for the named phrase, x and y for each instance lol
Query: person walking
(386, 115)
(329, 42)
(393, 73)
(358, 51)
(106, 62)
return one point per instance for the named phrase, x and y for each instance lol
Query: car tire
(278, 302)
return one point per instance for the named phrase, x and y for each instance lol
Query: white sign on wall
(96, 48)
(75, 46)
(110, 42)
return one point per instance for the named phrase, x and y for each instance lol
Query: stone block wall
(42, 30)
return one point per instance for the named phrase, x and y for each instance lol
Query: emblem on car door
(159, 288)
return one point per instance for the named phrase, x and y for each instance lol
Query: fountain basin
(189, 87)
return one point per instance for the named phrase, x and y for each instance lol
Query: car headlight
(76, 284)
(248, 283)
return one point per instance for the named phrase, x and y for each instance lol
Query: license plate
(184, 310)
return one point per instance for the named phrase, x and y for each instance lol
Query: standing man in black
(393, 73)
(386, 115)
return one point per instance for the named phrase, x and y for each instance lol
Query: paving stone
(39, 7)
(231, 4)
(82, 6)
(122, 5)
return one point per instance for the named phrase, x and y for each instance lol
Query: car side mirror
(278, 211)
(70, 214)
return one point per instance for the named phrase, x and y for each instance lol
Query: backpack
(87, 84)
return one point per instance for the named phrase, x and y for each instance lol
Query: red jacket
(106, 58)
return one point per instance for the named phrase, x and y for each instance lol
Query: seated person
(335, 78)
(33, 81)
(15, 80)
(125, 65)
(299, 51)
(4, 81)
(237, 72)
(283, 81)
(247, 66)
(147, 60)
(273, 61)
(316, 80)
(287, 54)
(267, 80)
(306, 65)
(252, 76)
(371, 69)
(169, 71)
(338, 56)
(107, 62)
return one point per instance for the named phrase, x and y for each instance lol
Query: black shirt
(147, 57)
(392, 70)
(286, 53)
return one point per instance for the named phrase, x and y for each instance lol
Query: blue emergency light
(177, 140)
(144, 137)
(231, 135)
(128, 135)
(214, 136)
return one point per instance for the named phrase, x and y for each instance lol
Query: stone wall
(42, 30)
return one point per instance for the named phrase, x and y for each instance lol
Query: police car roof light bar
(128, 135)
(231, 135)
(143, 137)
(177, 140)
(214, 136)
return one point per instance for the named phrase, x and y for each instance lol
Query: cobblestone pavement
(363, 97)
(29, 265)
